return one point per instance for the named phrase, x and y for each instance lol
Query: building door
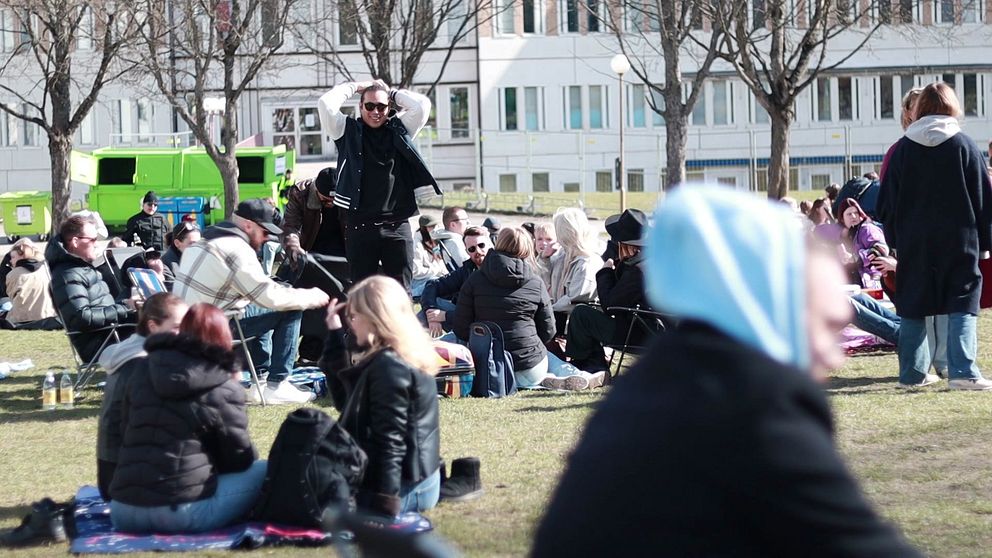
(298, 128)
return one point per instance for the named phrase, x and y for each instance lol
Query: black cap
(628, 227)
(259, 212)
(150, 197)
(492, 224)
(326, 181)
(427, 220)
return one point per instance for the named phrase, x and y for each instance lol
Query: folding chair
(650, 322)
(86, 370)
(242, 341)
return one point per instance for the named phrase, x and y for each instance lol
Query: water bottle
(49, 392)
(66, 394)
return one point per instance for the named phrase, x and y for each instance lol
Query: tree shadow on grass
(835, 383)
(29, 411)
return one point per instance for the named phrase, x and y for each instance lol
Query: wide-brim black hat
(628, 227)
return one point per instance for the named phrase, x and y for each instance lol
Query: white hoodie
(933, 130)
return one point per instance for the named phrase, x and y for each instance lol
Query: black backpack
(493, 364)
(313, 464)
(864, 191)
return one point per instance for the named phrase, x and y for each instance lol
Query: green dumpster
(26, 213)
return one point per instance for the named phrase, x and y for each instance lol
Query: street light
(620, 66)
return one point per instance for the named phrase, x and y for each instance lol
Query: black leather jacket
(389, 408)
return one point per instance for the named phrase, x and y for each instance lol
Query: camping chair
(86, 370)
(242, 341)
(650, 322)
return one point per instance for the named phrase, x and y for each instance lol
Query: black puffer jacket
(83, 297)
(390, 409)
(507, 291)
(184, 423)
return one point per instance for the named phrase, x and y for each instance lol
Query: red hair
(207, 323)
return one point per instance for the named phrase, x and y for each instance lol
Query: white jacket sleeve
(332, 120)
(415, 110)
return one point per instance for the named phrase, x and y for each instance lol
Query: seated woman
(574, 265)
(186, 463)
(428, 263)
(27, 285)
(182, 236)
(719, 442)
(862, 239)
(507, 291)
(388, 400)
(161, 313)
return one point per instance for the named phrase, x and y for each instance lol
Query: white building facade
(529, 104)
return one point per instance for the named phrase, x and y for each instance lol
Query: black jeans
(388, 245)
(588, 330)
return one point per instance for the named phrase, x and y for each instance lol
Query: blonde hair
(26, 248)
(908, 100)
(386, 305)
(516, 242)
(547, 228)
(573, 232)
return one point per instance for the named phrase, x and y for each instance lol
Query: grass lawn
(923, 456)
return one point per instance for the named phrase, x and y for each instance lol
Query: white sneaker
(286, 392)
(553, 382)
(981, 384)
(251, 395)
(927, 380)
(577, 382)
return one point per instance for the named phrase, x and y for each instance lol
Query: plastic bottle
(66, 395)
(49, 392)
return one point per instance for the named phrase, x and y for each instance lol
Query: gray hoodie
(933, 130)
(115, 355)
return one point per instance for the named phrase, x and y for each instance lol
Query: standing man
(148, 225)
(311, 220)
(380, 174)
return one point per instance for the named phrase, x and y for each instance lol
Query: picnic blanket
(94, 534)
(854, 340)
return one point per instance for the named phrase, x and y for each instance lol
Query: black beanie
(326, 181)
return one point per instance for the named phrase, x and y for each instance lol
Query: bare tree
(195, 49)
(393, 36)
(666, 32)
(65, 52)
(779, 48)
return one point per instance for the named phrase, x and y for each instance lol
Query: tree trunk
(676, 135)
(228, 166)
(59, 147)
(778, 166)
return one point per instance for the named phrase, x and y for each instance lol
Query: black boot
(465, 482)
(44, 523)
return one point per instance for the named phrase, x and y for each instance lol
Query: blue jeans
(278, 335)
(962, 346)
(937, 341)
(236, 494)
(421, 496)
(874, 318)
(551, 364)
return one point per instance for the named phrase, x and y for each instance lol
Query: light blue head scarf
(734, 261)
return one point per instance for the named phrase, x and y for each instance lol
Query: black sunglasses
(373, 107)
(479, 246)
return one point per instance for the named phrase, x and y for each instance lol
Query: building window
(456, 18)
(886, 98)
(84, 35)
(570, 16)
(117, 110)
(533, 108)
(821, 104)
(284, 127)
(972, 97)
(757, 14)
(847, 98)
(597, 107)
(571, 187)
(596, 16)
(32, 132)
(758, 113)
(540, 182)
(459, 112)
(87, 135)
(635, 180)
(504, 17)
(604, 181)
(657, 119)
(906, 11)
(347, 23)
(533, 16)
(509, 108)
(634, 22)
(145, 113)
(507, 183)
(8, 128)
(573, 107)
(638, 102)
(698, 117)
(431, 124)
(723, 102)
(972, 11)
(819, 181)
(728, 181)
(311, 144)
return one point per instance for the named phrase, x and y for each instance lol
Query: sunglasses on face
(376, 107)
(479, 246)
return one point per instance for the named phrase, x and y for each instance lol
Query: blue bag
(493, 364)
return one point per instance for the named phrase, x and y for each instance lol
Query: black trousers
(588, 330)
(387, 246)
